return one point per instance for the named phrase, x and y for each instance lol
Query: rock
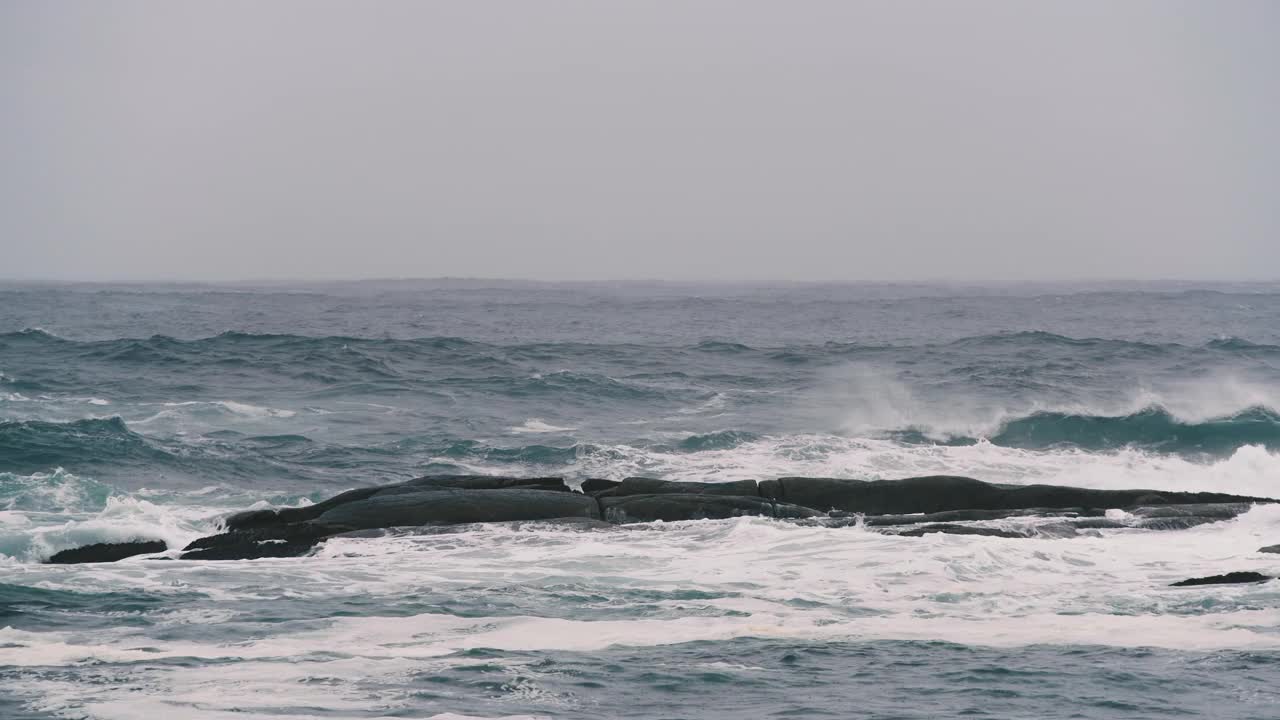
(273, 517)
(932, 504)
(1270, 549)
(1098, 523)
(568, 524)
(686, 506)
(287, 541)
(106, 552)
(961, 530)
(969, 515)
(941, 493)
(1175, 523)
(251, 519)
(1218, 511)
(1053, 531)
(1181, 517)
(592, 486)
(649, 486)
(426, 505)
(1229, 578)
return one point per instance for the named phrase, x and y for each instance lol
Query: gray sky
(969, 141)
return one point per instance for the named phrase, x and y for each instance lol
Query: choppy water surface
(150, 411)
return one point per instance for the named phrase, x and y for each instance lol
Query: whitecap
(537, 425)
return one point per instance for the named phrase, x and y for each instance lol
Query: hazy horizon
(721, 142)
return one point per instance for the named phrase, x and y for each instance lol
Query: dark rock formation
(593, 486)
(933, 504)
(291, 532)
(1228, 579)
(1270, 549)
(107, 552)
(489, 482)
(284, 541)
(425, 505)
(685, 506)
(268, 518)
(251, 519)
(1181, 517)
(941, 493)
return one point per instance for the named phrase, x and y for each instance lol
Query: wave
(109, 448)
(32, 445)
(724, 440)
(121, 519)
(1153, 428)
(57, 491)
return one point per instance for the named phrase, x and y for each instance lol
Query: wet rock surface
(1227, 579)
(911, 507)
(107, 552)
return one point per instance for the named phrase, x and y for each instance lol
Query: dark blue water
(149, 411)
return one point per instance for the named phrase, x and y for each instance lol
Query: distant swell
(160, 346)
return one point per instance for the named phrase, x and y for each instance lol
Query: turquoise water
(151, 411)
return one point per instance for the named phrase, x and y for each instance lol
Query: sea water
(153, 411)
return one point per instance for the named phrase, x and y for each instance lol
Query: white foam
(238, 408)
(721, 579)
(255, 410)
(1250, 470)
(865, 399)
(70, 521)
(537, 425)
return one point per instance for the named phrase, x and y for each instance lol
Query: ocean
(153, 411)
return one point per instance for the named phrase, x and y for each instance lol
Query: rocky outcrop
(418, 505)
(107, 552)
(273, 517)
(942, 493)
(689, 506)
(920, 506)
(286, 541)
(1228, 579)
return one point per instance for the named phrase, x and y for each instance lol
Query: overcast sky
(964, 141)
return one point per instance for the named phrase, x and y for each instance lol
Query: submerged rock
(1228, 579)
(649, 486)
(952, 529)
(685, 506)
(574, 524)
(969, 515)
(489, 482)
(287, 541)
(107, 552)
